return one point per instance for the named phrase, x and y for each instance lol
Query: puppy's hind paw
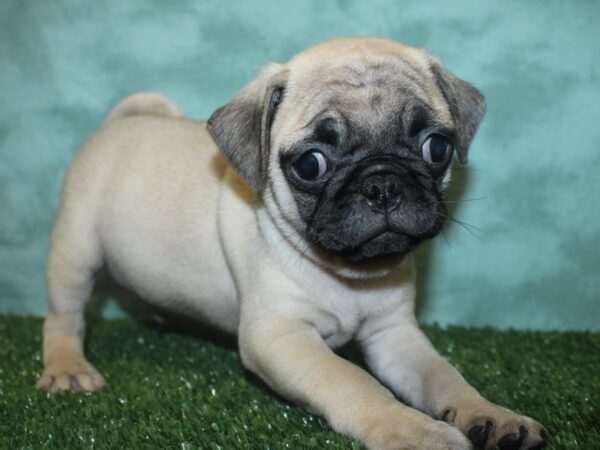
(75, 376)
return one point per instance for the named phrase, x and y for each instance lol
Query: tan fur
(149, 103)
(151, 197)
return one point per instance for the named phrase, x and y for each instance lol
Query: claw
(542, 444)
(513, 441)
(448, 415)
(74, 384)
(479, 434)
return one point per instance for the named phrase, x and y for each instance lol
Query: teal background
(531, 187)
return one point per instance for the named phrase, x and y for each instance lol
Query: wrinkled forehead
(366, 92)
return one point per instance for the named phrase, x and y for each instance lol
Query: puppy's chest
(338, 326)
(340, 313)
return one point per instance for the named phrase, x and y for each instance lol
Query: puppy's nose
(382, 191)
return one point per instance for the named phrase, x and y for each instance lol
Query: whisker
(467, 200)
(458, 200)
(467, 226)
(302, 257)
(467, 169)
(446, 240)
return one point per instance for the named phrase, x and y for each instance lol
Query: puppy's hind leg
(74, 256)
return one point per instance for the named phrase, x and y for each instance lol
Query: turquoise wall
(531, 188)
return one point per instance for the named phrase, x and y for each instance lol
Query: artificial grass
(168, 390)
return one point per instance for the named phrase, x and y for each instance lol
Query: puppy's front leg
(402, 358)
(291, 357)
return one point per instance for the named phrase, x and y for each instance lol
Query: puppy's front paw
(411, 430)
(74, 374)
(488, 425)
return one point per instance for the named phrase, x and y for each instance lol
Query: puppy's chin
(369, 261)
(370, 268)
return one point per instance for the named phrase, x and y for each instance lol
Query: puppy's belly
(156, 217)
(193, 289)
(170, 256)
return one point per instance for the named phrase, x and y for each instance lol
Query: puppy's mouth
(382, 244)
(388, 244)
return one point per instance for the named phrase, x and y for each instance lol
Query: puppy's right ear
(242, 127)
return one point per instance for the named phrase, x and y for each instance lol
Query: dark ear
(466, 104)
(242, 127)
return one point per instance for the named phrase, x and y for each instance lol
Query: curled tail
(148, 103)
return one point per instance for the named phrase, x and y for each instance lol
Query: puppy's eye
(436, 148)
(311, 165)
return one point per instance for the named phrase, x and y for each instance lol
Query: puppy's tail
(144, 103)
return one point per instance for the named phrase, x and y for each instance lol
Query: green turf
(167, 390)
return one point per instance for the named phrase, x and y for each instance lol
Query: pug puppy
(288, 218)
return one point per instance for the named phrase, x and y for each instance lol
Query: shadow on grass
(152, 316)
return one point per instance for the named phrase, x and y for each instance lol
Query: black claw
(448, 415)
(479, 434)
(542, 444)
(74, 384)
(513, 441)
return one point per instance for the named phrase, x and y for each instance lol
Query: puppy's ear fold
(466, 104)
(242, 127)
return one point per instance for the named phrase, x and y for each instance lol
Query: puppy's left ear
(467, 106)
(242, 127)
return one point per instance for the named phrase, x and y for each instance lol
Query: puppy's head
(350, 143)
